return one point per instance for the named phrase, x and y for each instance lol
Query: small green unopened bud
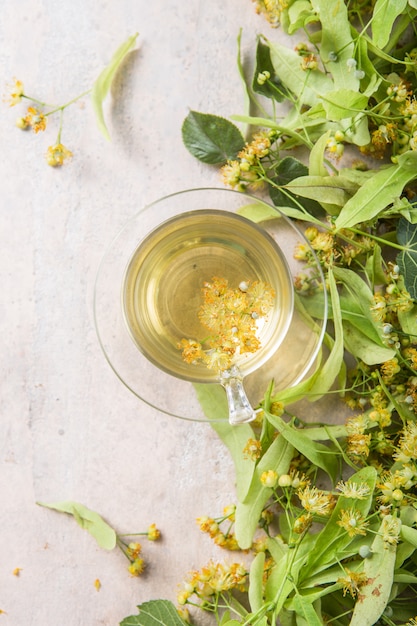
(22, 123)
(365, 551)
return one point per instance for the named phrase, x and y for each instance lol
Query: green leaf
(273, 87)
(336, 38)
(334, 363)
(212, 399)
(305, 609)
(155, 613)
(308, 86)
(317, 453)
(361, 347)
(332, 540)
(378, 192)
(344, 103)
(89, 520)
(409, 534)
(299, 14)
(379, 569)
(103, 83)
(210, 138)
(384, 15)
(324, 189)
(248, 511)
(407, 259)
(256, 573)
(316, 165)
(290, 169)
(408, 321)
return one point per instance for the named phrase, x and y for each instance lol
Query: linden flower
(352, 582)
(389, 369)
(153, 533)
(228, 542)
(316, 501)
(302, 523)
(357, 491)
(252, 449)
(133, 550)
(390, 529)
(208, 525)
(16, 93)
(191, 350)
(358, 445)
(269, 478)
(36, 119)
(407, 447)
(137, 567)
(57, 155)
(230, 174)
(390, 489)
(353, 522)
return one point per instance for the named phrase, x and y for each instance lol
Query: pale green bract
(103, 83)
(87, 519)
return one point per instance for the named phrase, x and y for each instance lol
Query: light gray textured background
(69, 429)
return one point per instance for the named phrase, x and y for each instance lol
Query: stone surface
(69, 429)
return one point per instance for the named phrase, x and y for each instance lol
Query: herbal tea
(169, 273)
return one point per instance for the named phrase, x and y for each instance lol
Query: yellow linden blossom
(229, 512)
(208, 525)
(353, 522)
(153, 533)
(16, 93)
(356, 425)
(390, 531)
(133, 550)
(230, 314)
(389, 369)
(228, 541)
(407, 446)
(57, 155)
(357, 491)
(302, 523)
(352, 582)
(97, 584)
(358, 445)
(252, 449)
(36, 119)
(213, 578)
(271, 10)
(390, 489)
(269, 478)
(316, 501)
(137, 567)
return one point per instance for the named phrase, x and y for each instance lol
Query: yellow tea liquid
(162, 289)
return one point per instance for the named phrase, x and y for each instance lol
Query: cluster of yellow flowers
(231, 316)
(214, 578)
(271, 10)
(133, 550)
(36, 120)
(247, 171)
(342, 249)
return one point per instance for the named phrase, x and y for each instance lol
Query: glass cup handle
(240, 409)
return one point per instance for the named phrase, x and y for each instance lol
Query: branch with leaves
(38, 112)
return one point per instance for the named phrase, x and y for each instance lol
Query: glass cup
(249, 300)
(149, 300)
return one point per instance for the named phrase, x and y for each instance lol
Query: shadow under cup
(163, 283)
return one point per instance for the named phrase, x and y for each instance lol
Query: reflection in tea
(162, 290)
